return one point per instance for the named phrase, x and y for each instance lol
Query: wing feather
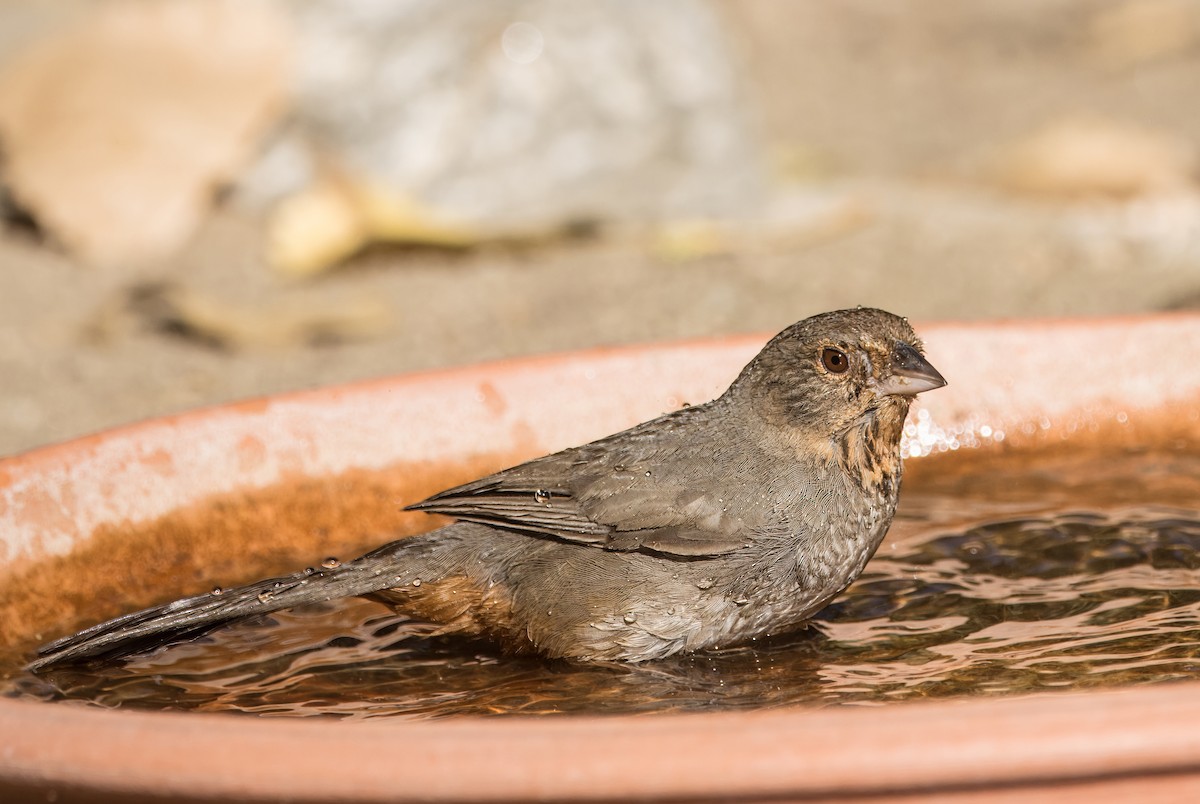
(601, 494)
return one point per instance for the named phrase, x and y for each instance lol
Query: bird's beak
(911, 373)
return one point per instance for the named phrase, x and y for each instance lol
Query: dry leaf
(794, 223)
(1139, 31)
(315, 229)
(1085, 156)
(187, 313)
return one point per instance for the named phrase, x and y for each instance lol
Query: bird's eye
(834, 360)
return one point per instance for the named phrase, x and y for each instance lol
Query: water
(1002, 575)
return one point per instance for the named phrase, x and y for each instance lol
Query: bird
(706, 527)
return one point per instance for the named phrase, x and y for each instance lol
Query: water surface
(1003, 574)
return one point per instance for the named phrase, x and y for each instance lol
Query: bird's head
(826, 374)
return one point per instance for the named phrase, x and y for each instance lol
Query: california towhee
(704, 527)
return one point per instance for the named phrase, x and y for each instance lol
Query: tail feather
(388, 566)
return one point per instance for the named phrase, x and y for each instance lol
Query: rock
(524, 113)
(117, 132)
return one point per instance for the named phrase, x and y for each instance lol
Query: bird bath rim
(1067, 377)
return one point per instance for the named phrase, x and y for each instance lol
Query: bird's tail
(388, 566)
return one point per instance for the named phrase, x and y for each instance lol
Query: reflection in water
(998, 579)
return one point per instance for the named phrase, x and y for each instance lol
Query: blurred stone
(1090, 156)
(116, 133)
(524, 113)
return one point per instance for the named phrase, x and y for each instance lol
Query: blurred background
(204, 200)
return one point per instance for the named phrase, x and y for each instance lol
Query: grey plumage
(704, 527)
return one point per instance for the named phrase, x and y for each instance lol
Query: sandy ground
(896, 104)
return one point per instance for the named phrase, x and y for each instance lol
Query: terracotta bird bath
(317, 473)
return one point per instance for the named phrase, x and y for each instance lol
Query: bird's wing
(653, 487)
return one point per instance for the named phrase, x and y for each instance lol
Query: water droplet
(705, 583)
(216, 590)
(630, 618)
(541, 496)
(416, 581)
(263, 597)
(331, 563)
(309, 570)
(671, 611)
(687, 404)
(741, 601)
(647, 473)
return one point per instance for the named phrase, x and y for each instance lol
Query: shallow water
(1002, 575)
